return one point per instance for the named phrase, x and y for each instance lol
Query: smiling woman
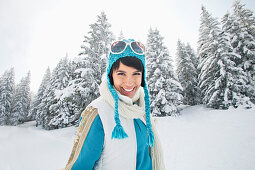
(127, 80)
(126, 75)
(115, 130)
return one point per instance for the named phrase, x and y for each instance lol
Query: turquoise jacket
(93, 146)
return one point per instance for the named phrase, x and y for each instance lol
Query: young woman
(115, 130)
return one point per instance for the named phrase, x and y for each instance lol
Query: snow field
(199, 139)
(31, 148)
(206, 139)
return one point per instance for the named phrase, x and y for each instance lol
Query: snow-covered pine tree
(207, 49)
(165, 90)
(38, 107)
(221, 79)
(231, 80)
(242, 39)
(3, 115)
(21, 102)
(7, 87)
(195, 62)
(187, 73)
(54, 97)
(193, 56)
(97, 43)
(85, 84)
(91, 63)
(31, 117)
(47, 103)
(33, 108)
(63, 111)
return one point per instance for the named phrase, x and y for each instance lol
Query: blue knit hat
(118, 131)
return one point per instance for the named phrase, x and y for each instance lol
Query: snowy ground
(199, 139)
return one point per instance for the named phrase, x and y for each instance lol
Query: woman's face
(127, 80)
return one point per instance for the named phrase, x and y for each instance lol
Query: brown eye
(137, 74)
(120, 74)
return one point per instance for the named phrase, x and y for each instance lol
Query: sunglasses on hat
(119, 46)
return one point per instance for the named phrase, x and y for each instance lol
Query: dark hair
(130, 62)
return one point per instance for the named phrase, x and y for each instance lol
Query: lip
(130, 91)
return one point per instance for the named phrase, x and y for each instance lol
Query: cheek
(139, 81)
(116, 80)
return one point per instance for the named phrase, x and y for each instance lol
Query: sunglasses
(119, 46)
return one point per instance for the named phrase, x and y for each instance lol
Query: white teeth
(128, 89)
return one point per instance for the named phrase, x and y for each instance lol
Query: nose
(129, 81)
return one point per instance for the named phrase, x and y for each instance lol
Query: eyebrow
(125, 71)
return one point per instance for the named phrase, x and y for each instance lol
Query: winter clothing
(91, 148)
(116, 153)
(118, 131)
(120, 153)
(84, 153)
(127, 129)
(128, 110)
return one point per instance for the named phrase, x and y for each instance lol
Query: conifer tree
(207, 48)
(97, 43)
(38, 106)
(51, 97)
(63, 109)
(7, 88)
(221, 79)
(193, 56)
(21, 102)
(31, 117)
(195, 61)
(48, 104)
(242, 36)
(231, 80)
(162, 83)
(187, 73)
(91, 63)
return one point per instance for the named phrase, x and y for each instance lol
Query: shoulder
(90, 111)
(88, 142)
(104, 110)
(92, 108)
(97, 102)
(95, 113)
(89, 122)
(101, 105)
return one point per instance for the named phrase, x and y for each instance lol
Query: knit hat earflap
(118, 131)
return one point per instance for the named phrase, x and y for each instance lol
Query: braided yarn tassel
(118, 131)
(150, 141)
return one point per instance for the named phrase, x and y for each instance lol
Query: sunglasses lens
(137, 47)
(118, 46)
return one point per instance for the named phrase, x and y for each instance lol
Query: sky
(36, 34)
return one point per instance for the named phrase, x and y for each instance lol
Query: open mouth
(128, 90)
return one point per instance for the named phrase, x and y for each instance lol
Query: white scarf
(132, 111)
